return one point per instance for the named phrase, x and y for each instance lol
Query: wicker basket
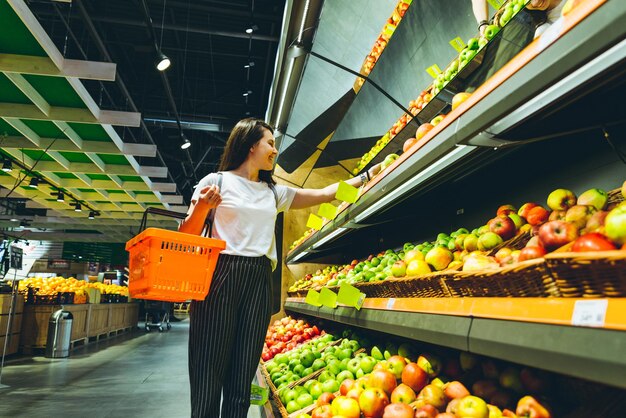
(589, 274)
(516, 243)
(526, 279)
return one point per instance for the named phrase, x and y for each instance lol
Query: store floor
(138, 374)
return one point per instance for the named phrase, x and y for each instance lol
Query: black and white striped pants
(226, 336)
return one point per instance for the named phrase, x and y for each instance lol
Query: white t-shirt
(246, 217)
(552, 16)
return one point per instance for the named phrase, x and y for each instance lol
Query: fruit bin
(589, 275)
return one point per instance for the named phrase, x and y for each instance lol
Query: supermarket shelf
(530, 331)
(520, 91)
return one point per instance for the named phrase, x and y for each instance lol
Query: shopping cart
(157, 315)
(170, 266)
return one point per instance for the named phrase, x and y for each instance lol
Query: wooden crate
(35, 323)
(116, 316)
(5, 304)
(131, 316)
(16, 326)
(13, 344)
(98, 319)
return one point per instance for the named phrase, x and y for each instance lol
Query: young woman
(228, 328)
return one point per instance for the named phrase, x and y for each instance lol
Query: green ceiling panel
(15, 38)
(36, 154)
(98, 176)
(90, 132)
(64, 175)
(130, 178)
(7, 129)
(76, 157)
(114, 159)
(9, 93)
(44, 128)
(143, 192)
(86, 190)
(56, 90)
(115, 191)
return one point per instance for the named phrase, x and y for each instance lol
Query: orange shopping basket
(170, 266)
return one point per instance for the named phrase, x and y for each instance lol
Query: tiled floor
(134, 375)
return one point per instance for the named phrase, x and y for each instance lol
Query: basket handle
(158, 211)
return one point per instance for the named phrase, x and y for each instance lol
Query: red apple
(505, 210)
(529, 253)
(426, 411)
(323, 411)
(529, 407)
(423, 130)
(446, 415)
(525, 208)
(395, 364)
(555, 234)
(346, 407)
(372, 402)
(473, 407)
(593, 241)
(408, 144)
(484, 388)
(579, 215)
(557, 215)
(596, 221)
(345, 386)
(433, 395)
(503, 226)
(325, 398)
(537, 215)
(414, 377)
(398, 410)
(453, 406)
(455, 390)
(383, 379)
(354, 393)
(403, 394)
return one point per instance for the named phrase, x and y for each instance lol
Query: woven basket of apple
(429, 285)
(593, 261)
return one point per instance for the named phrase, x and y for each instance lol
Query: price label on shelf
(328, 298)
(346, 192)
(458, 44)
(360, 301)
(327, 211)
(590, 313)
(350, 296)
(390, 303)
(314, 222)
(312, 298)
(433, 70)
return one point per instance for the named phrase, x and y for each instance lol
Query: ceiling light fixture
(247, 93)
(249, 65)
(77, 207)
(251, 29)
(162, 62)
(7, 166)
(34, 183)
(92, 215)
(60, 197)
(186, 143)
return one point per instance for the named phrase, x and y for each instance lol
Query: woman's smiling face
(264, 152)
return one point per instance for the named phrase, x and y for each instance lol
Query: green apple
(376, 353)
(507, 14)
(593, 197)
(390, 350)
(359, 373)
(346, 374)
(299, 369)
(354, 365)
(325, 375)
(561, 199)
(330, 386)
(489, 241)
(293, 406)
(367, 364)
(491, 31)
(333, 366)
(407, 351)
(482, 41)
(307, 371)
(398, 269)
(388, 160)
(467, 54)
(304, 400)
(318, 364)
(615, 225)
(315, 390)
(517, 220)
(472, 43)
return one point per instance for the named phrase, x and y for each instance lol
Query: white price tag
(390, 303)
(359, 302)
(590, 313)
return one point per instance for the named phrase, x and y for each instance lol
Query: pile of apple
(285, 334)
(299, 241)
(397, 387)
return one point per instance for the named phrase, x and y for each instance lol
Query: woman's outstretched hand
(375, 169)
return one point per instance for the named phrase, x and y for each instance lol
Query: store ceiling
(115, 163)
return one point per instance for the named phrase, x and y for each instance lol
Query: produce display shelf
(568, 61)
(531, 331)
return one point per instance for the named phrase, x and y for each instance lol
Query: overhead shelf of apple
(464, 139)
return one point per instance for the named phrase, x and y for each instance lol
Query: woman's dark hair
(244, 135)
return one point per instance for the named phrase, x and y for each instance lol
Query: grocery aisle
(136, 375)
